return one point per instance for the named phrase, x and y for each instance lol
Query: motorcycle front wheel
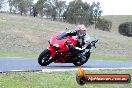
(44, 58)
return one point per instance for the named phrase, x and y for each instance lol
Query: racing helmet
(80, 30)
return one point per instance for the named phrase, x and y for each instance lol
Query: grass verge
(18, 55)
(108, 57)
(53, 80)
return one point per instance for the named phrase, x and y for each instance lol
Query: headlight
(56, 45)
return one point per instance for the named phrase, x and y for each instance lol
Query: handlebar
(93, 43)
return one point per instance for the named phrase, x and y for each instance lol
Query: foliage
(38, 7)
(21, 6)
(126, 29)
(1, 3)
(82, 12)
(104, 24)
(96, 11)
(50, 8)
(78, 12)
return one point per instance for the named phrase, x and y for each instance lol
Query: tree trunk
(21, 12)
(10, 10)
(95, 22)
(30, 11)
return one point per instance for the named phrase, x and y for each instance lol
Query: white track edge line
(75, 69)
(64, 70)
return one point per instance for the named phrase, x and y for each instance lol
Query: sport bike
(61, 50)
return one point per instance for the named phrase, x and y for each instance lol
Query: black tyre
(80, 60)
(87, 55)
(44, 58)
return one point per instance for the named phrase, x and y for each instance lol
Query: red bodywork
(62, 47)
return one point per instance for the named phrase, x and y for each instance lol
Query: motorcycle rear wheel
(44, 58)
(79, 61)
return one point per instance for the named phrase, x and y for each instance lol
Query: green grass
(18, 55)
(26, 25)
(108, 57)
(118, 18)
(55, 80)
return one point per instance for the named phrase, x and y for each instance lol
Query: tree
(10, 5)
(34, 11)
(21, 6)
(61, 6)
(104, 24)
(50, 8)
(125, 29)
(1, 3)
(54, 8)
(78, 12)
(96, 11)
(39, 7)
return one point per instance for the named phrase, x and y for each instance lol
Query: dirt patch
(32, 38)
(17, 31)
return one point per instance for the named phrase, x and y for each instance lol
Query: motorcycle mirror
(94, 46)
(49, 42)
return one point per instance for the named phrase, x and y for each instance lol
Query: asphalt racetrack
(31, 64)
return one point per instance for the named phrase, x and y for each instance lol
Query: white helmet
(81, 30)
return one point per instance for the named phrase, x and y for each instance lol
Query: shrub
(104, 24)
(125, 29)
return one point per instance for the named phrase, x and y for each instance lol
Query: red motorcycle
(59, 51)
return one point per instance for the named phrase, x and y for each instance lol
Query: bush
(104, 24)
(125, 29)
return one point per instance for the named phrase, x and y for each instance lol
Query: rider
(82, 37)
